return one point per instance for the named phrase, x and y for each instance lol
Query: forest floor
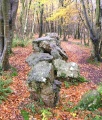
(9, 110)
(80, 54)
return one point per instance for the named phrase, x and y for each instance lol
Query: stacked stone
(48, 63)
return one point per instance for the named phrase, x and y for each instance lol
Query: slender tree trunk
(78, 30)
(1, 32)
(64, 33)
(27, 15)
(61, 20)
(32, 29)
(41, 21)
(22, 16)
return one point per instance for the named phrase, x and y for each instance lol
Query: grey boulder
(41, 72)
(35, 47)
(90, 100)
(65, 69)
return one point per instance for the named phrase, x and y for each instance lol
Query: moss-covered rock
(90, 101)
(99, 89)
(66, 70)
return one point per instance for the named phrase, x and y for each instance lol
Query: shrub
(1, 70)
(90, 101)
(31, 107)
(13, 72)
(63, 75)
(19, 42)
(25, 114)
(76, 81)
(4, 89)
(46, 114)
(82, 79)
(93, 61)
(99, 89)
(67, 85)
(97, 117)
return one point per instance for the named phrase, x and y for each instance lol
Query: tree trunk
(1, 32)
(94, 36)
(64, 35)
(4, 62)
(41, 21)
(32, 29)
(27, 15)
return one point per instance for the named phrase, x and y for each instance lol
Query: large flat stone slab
(34, 58)
(53, 35)
(46, 38)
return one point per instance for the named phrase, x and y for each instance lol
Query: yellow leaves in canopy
(43, 1)
(37, 3)
(64, 12)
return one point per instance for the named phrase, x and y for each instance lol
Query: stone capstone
(53, 49)
(53, 35)
(35, 58)
(47, 38)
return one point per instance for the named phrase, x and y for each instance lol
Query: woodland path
(80, 54)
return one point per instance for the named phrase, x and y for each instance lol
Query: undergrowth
(25, 114)
(99, 88)
(74, 81)
(5, 90)
(5, 81)
(93, 61)
(95, 115)
(30, 109)
(9, 74)
(13, 72)
(91, 100)
(19, 42)
(82, 79)
(46, 114)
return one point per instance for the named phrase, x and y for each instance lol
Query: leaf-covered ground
(80, 54)
(9, 110)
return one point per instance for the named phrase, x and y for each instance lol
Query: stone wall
(48, 65)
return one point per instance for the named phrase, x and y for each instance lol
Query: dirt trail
(80, 54)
